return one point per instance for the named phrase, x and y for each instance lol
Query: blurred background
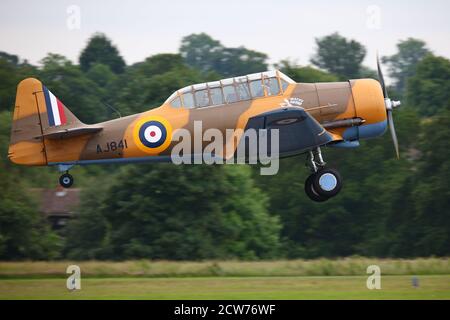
(132, 55)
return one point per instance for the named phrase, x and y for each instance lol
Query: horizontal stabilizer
(70, 132)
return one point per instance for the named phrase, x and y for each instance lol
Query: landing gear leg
(315, 160)
(323, 183)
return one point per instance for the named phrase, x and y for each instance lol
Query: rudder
(36, 110)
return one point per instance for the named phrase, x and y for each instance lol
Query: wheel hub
(328, 182)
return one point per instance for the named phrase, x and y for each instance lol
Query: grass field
(289, 279)
(353, 266)
(330, 287)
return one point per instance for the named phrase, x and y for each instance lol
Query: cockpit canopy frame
(231, 90)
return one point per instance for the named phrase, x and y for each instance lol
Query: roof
(59, 201)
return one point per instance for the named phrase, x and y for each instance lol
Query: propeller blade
(381, 78)
(393, 133)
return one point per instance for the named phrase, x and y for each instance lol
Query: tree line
(388, 207)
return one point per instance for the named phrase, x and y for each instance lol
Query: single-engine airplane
(307, 115)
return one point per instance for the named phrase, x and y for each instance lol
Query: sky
(282, 29)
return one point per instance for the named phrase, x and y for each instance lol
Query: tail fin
(36, 111)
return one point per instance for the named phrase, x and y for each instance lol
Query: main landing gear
(323, 183)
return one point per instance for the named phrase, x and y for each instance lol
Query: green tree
(23, 232)
(102, 75)
(203, 52)
(86, 235)
(366, 72)
(429, 89)
(354, 221)
(402, 65)
(431, 193)
(11, 58)
(12, 71)
(158, 64)
(106, 82)
(8, 82)
(180, 212)
(339, 56)
(80, 94)
(238, 61)
(100, 50)
(419, 224)
(147, 84)
(305, 74)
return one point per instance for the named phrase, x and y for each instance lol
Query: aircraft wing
(298, 130)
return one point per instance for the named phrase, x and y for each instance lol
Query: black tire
(66, 180)
(310, 192)
(327, 182)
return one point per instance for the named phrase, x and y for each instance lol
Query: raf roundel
(152, 134)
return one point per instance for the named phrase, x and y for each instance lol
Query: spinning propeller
(390, 105)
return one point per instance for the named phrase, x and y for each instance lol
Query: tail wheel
(66, 180)
(311, 192)
(327, 182)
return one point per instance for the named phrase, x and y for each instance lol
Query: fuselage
(349, 111)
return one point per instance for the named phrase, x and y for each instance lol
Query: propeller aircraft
(308, 116)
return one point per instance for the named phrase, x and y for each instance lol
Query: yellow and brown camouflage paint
(33, 142)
